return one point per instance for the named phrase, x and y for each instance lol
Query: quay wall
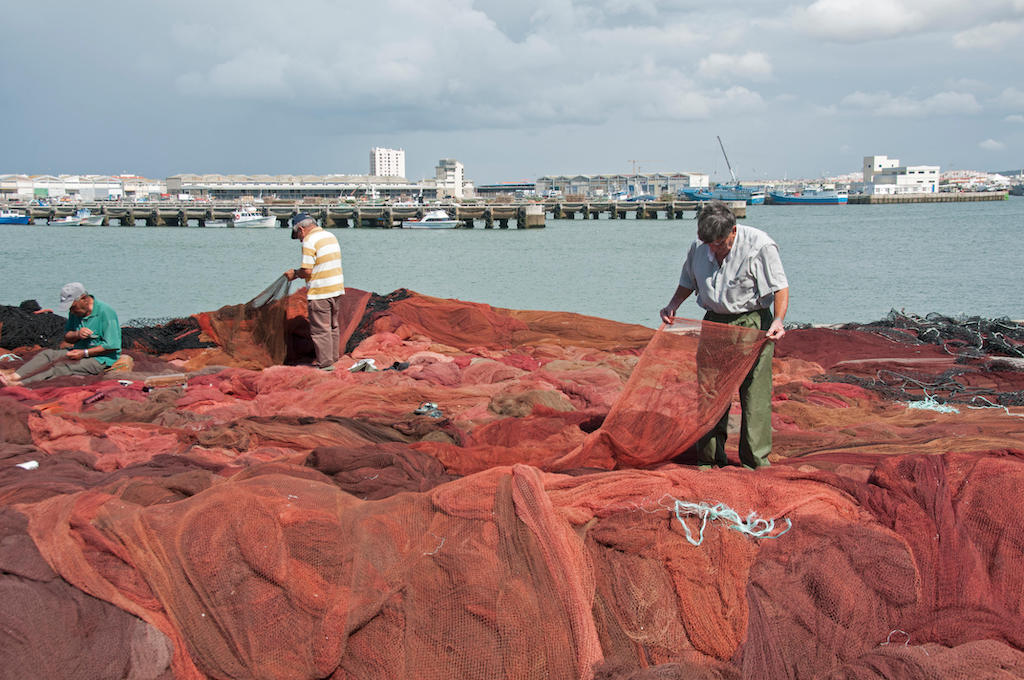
(943, 197)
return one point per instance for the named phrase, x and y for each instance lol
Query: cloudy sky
(514, 90)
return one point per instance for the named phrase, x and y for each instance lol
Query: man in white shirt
(738, 277)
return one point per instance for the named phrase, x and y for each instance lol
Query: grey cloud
(994, 36)
(901, 106)
(187, 87)
(453, 64)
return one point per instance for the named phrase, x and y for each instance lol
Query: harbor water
(849, 263)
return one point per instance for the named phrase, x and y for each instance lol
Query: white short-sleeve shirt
(746, 280)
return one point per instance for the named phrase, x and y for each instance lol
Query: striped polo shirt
(321, 254)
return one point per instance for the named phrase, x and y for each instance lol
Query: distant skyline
(512, 90)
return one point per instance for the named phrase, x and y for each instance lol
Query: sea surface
(850, 263)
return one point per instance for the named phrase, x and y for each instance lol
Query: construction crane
(645, 160)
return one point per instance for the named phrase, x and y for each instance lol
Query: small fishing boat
(734, 191)
(12, 217)
(251, 218)
(695, 194)
(738, 192)
(82, 217)
(435, 219)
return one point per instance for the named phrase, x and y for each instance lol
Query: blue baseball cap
(298, 221)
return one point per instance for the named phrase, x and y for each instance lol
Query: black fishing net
(376, 305)
(967, 337)
(944, 388)
(23, 327)
(972, 340)
(162, 336)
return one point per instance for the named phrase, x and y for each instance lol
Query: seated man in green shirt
(92, 341)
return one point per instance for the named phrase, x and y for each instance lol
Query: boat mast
(728, 165)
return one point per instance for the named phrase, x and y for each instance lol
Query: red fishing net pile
(493, 493)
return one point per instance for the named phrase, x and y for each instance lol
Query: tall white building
(387, 162)
(884, 175)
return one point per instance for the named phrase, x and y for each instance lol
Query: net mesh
(540, 520)
(20, 327)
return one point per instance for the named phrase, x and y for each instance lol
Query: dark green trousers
(755, 401)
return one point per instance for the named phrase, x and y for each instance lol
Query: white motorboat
(251, 218)
(82, 217)
(435, 219)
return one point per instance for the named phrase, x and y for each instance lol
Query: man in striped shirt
(321, 268)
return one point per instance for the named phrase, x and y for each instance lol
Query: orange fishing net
(508, 494)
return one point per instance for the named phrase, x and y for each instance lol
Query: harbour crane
(727, 164)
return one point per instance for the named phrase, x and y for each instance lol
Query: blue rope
(9, 357)
(752, 525)
(929, 403)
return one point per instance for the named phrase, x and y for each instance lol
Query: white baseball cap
(69, 293)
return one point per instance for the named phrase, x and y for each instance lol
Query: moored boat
(82, 217)
(809, 196)
(250, 218)
(435, 219)
(12, 217)
(695, 194)
(738, 192)
(735, 191)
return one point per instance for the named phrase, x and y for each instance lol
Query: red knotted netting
(684, 382)
(509, 496)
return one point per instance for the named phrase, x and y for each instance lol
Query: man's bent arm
(776, 331)
(299, 273)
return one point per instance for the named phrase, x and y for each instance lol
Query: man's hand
(290, 274)
(76, 354)
(84, 333)
(668, 315)
(776, 331)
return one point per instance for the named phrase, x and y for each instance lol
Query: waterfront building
(295, 187)
(514, 190)
(974, 180)
(79, 187)
(387, 162)
(654, 183)
(449, 182)
(16, 187)
(885, 176)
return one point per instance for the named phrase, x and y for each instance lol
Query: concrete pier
(524, 215)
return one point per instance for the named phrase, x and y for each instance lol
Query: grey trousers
(324, 330)
(50, 363)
